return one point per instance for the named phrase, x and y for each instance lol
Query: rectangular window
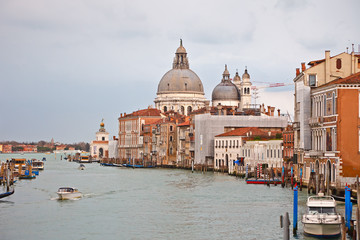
(312, 80)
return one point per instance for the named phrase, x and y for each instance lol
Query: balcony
(315, 121)
(316, 153)
(182, 138)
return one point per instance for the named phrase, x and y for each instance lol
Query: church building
(180, 89)
(99, 147)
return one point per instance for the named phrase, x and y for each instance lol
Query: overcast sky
(65, 65)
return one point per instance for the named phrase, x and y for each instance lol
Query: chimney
(303, 67)
(272, 110)
(279, 112)
(268, 111)
(297, 71)
(327, 66)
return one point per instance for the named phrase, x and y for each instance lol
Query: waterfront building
(288, 145)
(113, 148)
(167, 145)
(6, 148)
(207, 126)
(180, 89)
(250, 146)
(100, 146)
(325, 131)
(131, 144)
(184, 135)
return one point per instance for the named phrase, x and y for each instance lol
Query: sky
(66, 65)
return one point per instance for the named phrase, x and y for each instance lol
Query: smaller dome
(246, 74)
(226, 90)
(102, 124)
(237, 77)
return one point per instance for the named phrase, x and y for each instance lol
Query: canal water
(123, 203)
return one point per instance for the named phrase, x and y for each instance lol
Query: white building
(254, 145)
(99, 147)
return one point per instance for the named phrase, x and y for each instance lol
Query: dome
(246, 74)
(237, 77)
(180, 80)
(102, 124)
(226, 91)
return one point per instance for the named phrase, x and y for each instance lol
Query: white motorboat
(37, 165)
(321, 218)
(68, 193)
(81, 167)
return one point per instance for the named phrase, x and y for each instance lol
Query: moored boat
(8, 193)
(68, 193)
(262, 181)
(37, 165)
(321, 218)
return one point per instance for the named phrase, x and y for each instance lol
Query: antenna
(352, 47)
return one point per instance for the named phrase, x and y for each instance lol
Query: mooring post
(295, 213)
(283, 176)
(343, 229)
(357, 229)
(301, 172)
(247, 171)
(192, 165)
(347, 206)
(286, 225)
(292, 177)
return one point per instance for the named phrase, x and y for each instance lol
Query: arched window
(165, 109)
(171, 138)
(189, 109)
(182, 111)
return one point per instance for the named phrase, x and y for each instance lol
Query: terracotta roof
(187, 123)
(352, 79)
(145, 112)
(255, 131)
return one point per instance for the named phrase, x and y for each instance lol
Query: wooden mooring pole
(285, 223)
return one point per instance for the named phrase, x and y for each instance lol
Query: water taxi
(321, 218)
(38, 165)
(84, 159)
(68, 193)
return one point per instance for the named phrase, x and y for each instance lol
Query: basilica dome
(226, 90)
(180, 89)
(180, 80)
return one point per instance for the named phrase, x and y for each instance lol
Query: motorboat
(68, 193)
(263, 181)
(38, 165)
(84, 159)
(321, 218)
(81, 167)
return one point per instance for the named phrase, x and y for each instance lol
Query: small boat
(44, 159)
(81, 167)
(321, 218)
(68, 193)
(342, 199)
(137, 166)
(38, 165)
(28, 177)
(5, 194)
(84, 159)
(262, 181)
